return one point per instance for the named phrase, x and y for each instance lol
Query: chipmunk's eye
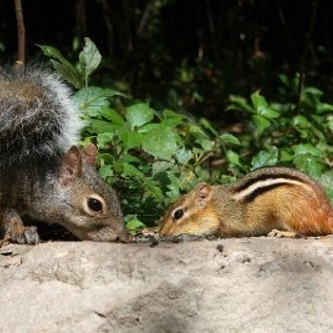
(178, 214)
(95, 205)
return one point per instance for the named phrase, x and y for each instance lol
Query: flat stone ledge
(228, 285)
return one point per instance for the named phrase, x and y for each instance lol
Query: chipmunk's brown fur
(265, 199)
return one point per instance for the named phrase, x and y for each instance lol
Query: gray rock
(230, 285)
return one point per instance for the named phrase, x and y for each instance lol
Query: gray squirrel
(44, 175)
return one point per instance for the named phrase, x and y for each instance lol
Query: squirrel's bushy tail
(37, 118)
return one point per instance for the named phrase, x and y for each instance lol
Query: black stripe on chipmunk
(260, 190)
(251, 181)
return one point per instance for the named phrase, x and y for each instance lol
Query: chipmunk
(44, 175)
(273, 200)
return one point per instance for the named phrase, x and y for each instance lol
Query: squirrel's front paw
(31, 235)
(28, 236)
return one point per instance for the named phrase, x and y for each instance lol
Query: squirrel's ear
(203, 193)
(71, 167)
(90, 154)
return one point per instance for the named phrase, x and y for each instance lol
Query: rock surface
(230, 285)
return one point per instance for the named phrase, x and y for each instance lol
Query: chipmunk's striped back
(266, 179)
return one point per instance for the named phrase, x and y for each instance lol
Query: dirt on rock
(228, 285)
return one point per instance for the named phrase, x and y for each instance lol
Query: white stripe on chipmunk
(265, 183)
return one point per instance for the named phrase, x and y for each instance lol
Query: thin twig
(304, 56)
(285, 26)
(20, 33)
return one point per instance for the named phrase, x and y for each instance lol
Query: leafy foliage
(286, 135)
(152, 156)
(89, 60)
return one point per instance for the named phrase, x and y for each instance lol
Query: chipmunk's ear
(90, 154)
(203, 193)
(71, 166)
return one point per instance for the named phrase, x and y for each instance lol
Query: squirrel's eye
(178, 214)
(95, 205)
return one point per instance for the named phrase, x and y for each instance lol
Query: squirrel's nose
(123, 237)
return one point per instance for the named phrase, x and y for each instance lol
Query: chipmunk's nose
(164, 230)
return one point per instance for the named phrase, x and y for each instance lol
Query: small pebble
(220, 248)
(152, 240)
(6, 252)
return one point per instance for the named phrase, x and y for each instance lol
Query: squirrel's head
(192, 214)
(91, 209)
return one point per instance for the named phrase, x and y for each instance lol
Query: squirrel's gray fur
(44, 176)
(37, 117)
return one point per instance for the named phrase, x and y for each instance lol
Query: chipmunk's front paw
(279, 234)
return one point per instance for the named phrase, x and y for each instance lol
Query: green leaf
(131, 171)
(125, 159)
(104, 138)
(105, 171)
(174, 187)
(160, 143)
(282, 108)
(112, 115)
(265, 158)
(229, 138)
(72, 77)
(313, 91)
(306, 148)
(139, 114)
(55, 54)
(261, 123)
(269, 113)
(233, 158)
(62, 65)
(89, 58)
(161, 166)
(326, 180)
(131, 139)
(324, 107)
(259, 102)
(239, 103)
(52, 52)
(170, 123)
(100, 126)
(205, 143)
(207, 125)
(261, 106)
(153, 190)
(183, 155)
(147, 128)
(303, 126)
(309, 164)
(92, 99)
(196, 131)
(286, 154)
(169, 114)
(284, 79)
(329, 122)
(301, 121)
(135, 224)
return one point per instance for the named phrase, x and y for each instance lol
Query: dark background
(185, 54)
